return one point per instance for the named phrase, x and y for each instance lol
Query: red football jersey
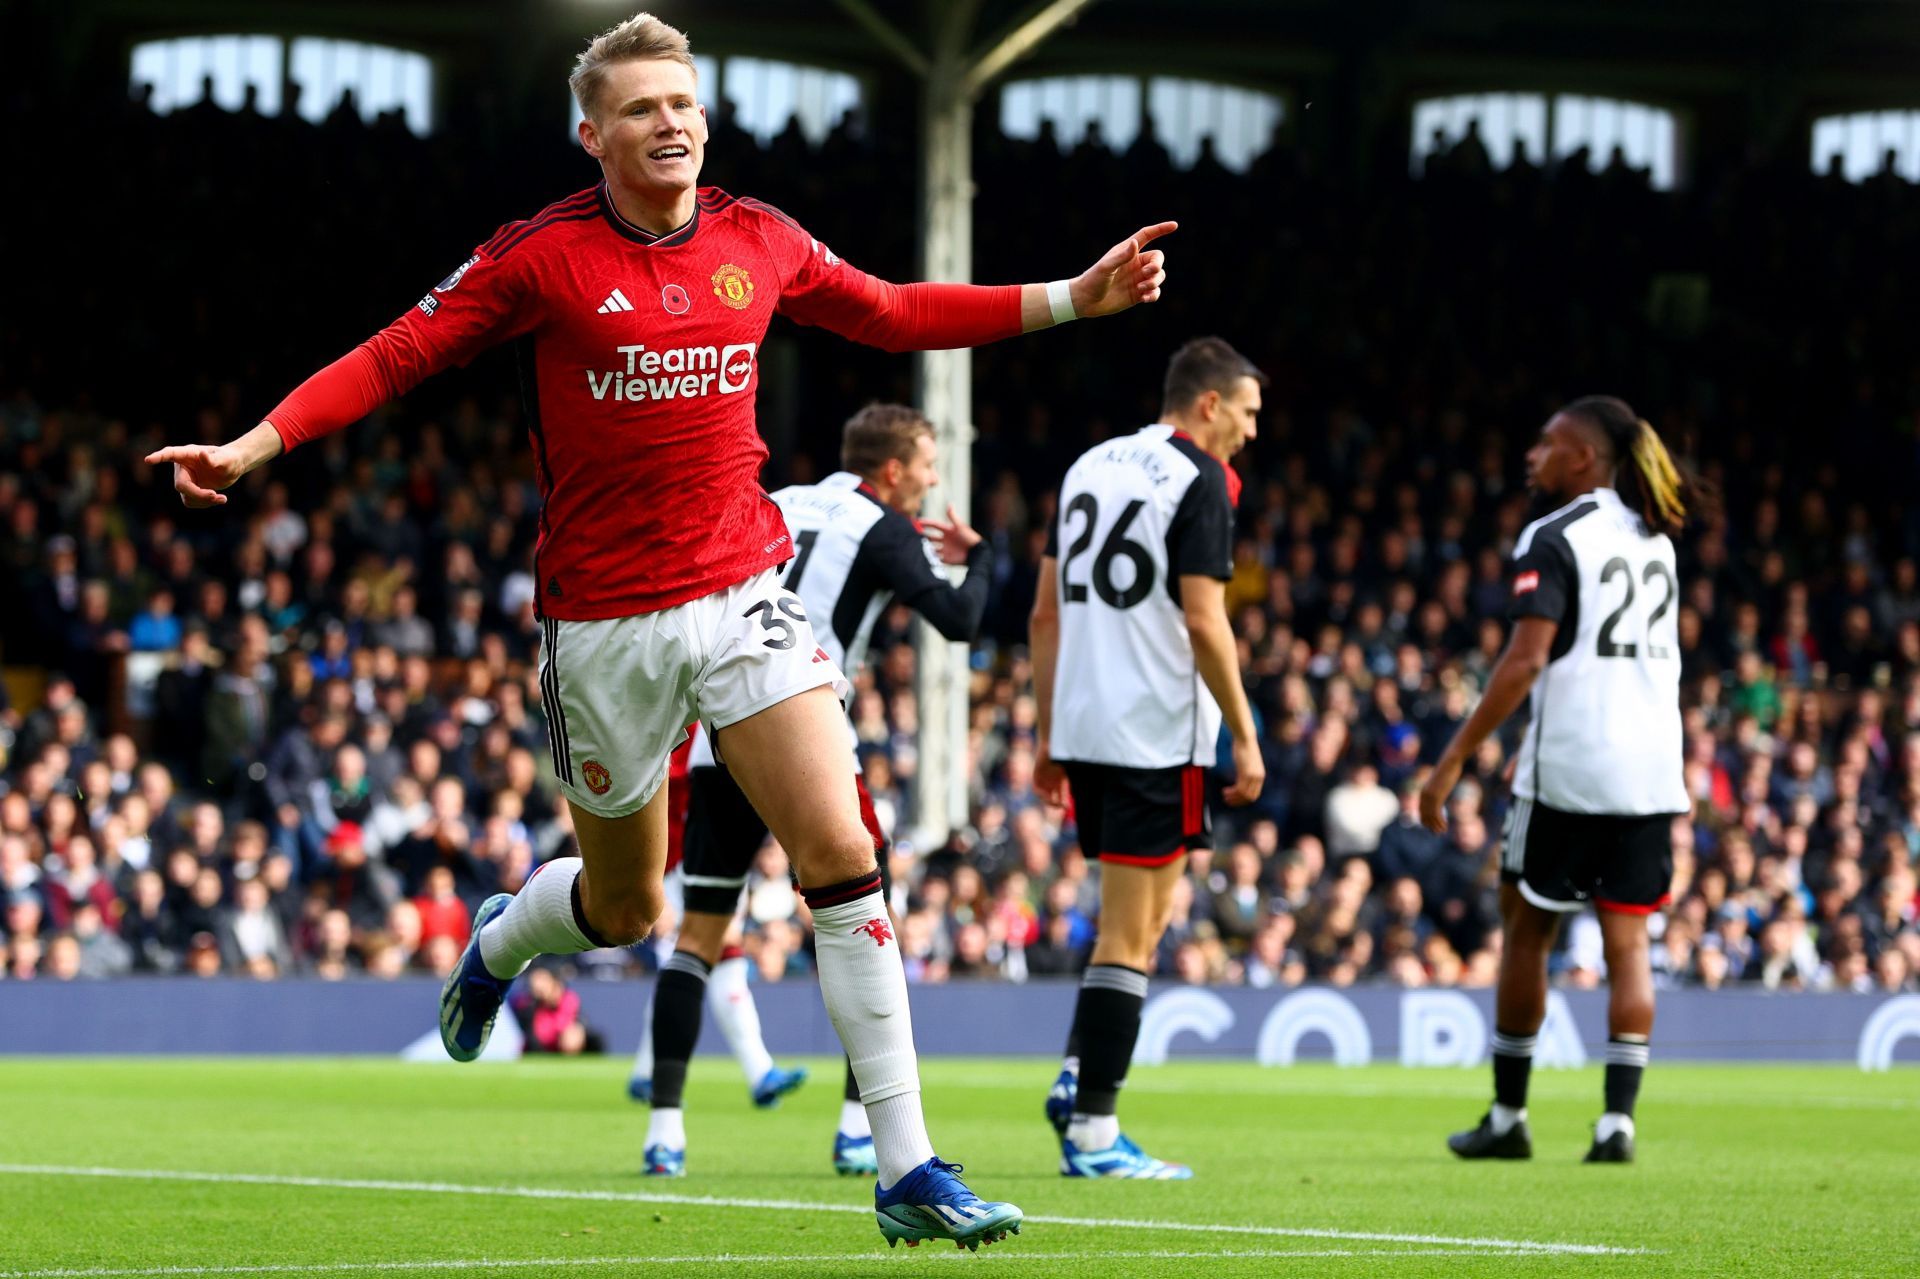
(639, 362)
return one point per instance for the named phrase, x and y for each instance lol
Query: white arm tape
(1060, 301)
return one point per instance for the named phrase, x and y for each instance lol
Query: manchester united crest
(732, 285)
(597, 776)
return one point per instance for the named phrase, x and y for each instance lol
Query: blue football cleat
(472, 997)
(1060, 1099)
(640, 1089)
(777, 1083)
(663, 1161)
(931, 1202)
(1122, 1159)
(854, 1157)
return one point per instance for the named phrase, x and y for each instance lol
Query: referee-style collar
(640, 235)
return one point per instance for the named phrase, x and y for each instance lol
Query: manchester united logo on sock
(878, 930)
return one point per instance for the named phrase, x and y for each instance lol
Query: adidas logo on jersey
(616, 301)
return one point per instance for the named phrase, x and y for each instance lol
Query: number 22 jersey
(1603, 730)
(1136, 514)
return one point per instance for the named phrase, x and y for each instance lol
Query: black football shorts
(1561, 861)
(1139, 816)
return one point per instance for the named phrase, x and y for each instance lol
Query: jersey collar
(1233, 476)
(640, 235)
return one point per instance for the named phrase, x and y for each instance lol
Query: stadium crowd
(302, 733)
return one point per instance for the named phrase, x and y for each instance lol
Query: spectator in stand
(356, 652)
(549, 1015)
(1358, 810)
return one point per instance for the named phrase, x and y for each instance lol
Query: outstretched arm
(936, 317)
(473, 308)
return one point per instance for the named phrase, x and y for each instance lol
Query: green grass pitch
(362, 1167)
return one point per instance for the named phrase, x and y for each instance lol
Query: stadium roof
(1841, 51)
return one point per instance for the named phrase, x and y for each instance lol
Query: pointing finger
(1148, 234)
(178, 453)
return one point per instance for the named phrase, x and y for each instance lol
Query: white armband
(1060, 301)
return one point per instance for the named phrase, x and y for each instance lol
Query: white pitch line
(797, 1205)
(720, 1259)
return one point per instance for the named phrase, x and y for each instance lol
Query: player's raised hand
(955, 537)
(1249, 774)
(1127, 274)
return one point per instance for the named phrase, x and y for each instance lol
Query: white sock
(667, 1128)
(853, 1120)
(1071, 1066)
(643, 1060)
(1612, 1122)
(899, 1132)
(1505, 1117)
(1094, 1132)
(865, 990)
(538, 921)
(730, 1000)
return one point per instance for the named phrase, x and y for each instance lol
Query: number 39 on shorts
(780, 630)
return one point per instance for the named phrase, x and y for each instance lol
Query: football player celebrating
(638, 307)
(857, 547)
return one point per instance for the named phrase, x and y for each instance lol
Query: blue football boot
(1060, 1099)
(775, 1084)
(472, 997)
(931, 1202)
(854, 1157)
(663, 1161)
(1121, 1159)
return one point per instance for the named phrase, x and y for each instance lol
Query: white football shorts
(619, 693)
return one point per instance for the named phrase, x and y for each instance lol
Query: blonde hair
(1659, 478)
(641, 38)
(1660, 490)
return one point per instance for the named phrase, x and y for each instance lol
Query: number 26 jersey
(1603, 731)
(1136, 514)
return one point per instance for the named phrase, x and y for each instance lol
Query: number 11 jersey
(1603, 731)
(1136, 514)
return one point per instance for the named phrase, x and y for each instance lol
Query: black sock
(852, 1092)
(1106, 1022)
(677, 1004)
(1512, 1065)
(1626, 1062)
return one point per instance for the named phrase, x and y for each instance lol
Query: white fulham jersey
(1603, 733)
(1136, 513)
(852, 555)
